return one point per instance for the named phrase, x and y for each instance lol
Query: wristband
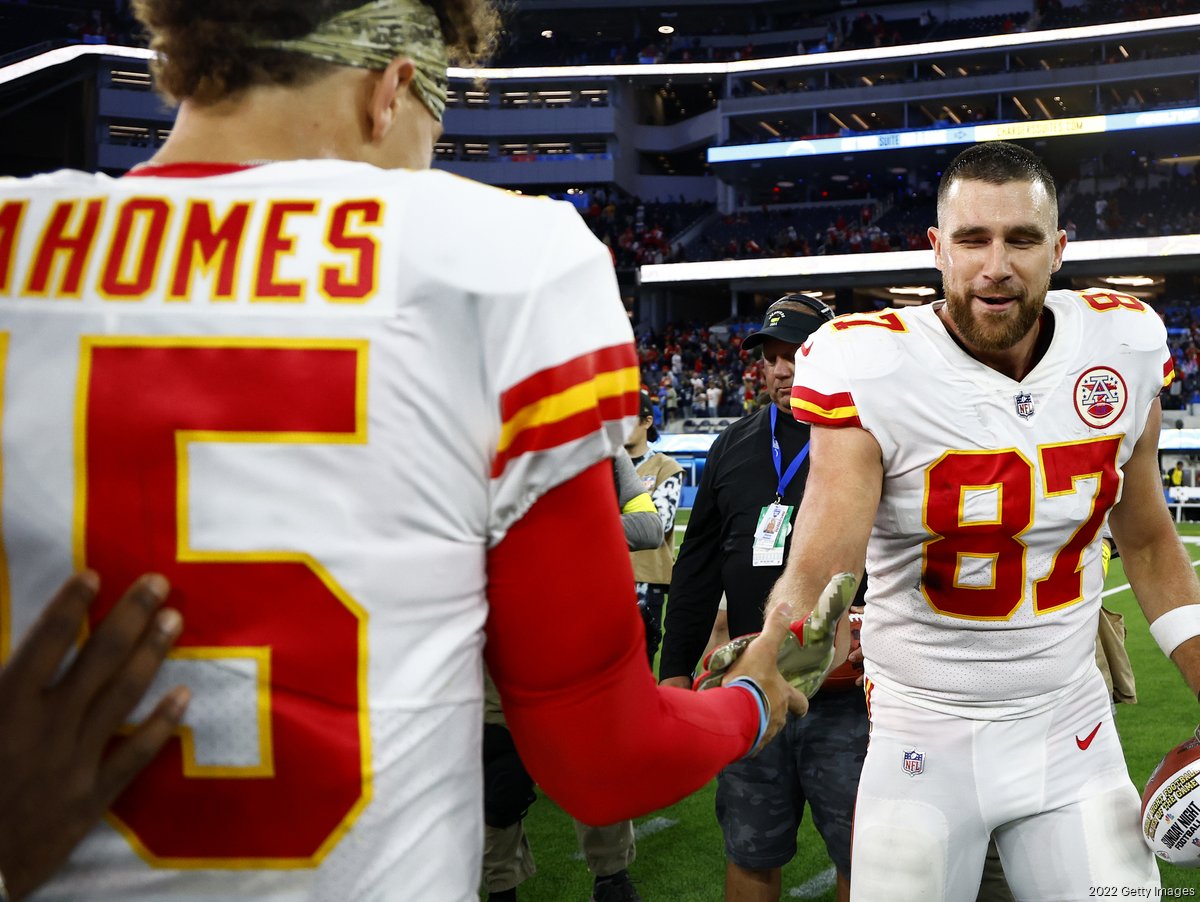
(1175, 627)
(764, 708)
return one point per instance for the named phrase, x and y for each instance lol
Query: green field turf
(680, 856)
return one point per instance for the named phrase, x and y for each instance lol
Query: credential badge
(1024, 404)
(914, 763)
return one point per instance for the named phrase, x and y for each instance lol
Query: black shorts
(816, 760)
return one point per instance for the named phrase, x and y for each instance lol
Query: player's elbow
(589, 807)
(587, 772)
(643, 530)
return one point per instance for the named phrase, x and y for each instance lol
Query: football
(1171, 806)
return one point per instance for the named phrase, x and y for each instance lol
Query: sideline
(819, 885)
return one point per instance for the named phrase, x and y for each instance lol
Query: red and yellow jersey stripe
(818, 409)
(1168, 371)
(566, 402)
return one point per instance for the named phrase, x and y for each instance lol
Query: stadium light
(962, 134)
(1132, 281)
(922, 291)
(897, 261)
(822, 60)
(658, 70)
(64, 55)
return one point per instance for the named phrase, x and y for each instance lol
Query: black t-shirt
(739, 480)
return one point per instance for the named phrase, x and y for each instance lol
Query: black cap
(792, 318)
(646, 409)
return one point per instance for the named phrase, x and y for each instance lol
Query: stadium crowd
(696, 370)
(639, 232)
(812, 33)
(25, 24)
(1138, 203)
(1182, 319)
(1128, 198)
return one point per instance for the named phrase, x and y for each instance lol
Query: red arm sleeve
(566, 649)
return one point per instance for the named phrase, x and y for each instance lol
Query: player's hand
(855, 655)
(59, 769)
(759, 661)
(677, 682)
(807, 651)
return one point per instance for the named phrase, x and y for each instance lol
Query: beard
(999, 330)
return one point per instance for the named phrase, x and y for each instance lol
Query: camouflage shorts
(816, 760)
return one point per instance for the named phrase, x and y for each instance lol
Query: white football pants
(1053, 789)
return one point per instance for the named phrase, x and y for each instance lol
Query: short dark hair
(206, 49)
(997, 162)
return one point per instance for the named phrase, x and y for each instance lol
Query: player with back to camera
(969, 451)
(232, 371)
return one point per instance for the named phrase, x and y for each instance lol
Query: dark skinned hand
(58, 770)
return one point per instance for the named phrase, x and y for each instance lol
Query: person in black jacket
(757, 463)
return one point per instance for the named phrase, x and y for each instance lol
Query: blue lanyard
(777, 457)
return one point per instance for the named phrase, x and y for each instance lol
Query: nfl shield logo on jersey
(1024, 404)
(1100, 396)
(914, 763)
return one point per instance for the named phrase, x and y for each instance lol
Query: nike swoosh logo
(805, 348)
(1084, 743)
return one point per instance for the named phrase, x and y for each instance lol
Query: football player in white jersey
(968, 451)
(232, 372)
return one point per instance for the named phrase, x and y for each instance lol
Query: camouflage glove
(806, 656)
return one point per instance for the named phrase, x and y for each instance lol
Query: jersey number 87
(1010, 475)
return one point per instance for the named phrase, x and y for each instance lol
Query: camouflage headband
(371, 36)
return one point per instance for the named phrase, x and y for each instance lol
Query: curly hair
(206, 48)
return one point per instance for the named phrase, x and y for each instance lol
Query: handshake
(807, 652)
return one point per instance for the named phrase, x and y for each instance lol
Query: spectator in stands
(670, 406)
(685, 398)
(713, 393)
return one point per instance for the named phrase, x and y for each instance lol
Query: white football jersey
(984, 564)
(313, 395)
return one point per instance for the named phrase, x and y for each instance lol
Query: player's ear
(1060, 243)
(936, 241)
(390, 84)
